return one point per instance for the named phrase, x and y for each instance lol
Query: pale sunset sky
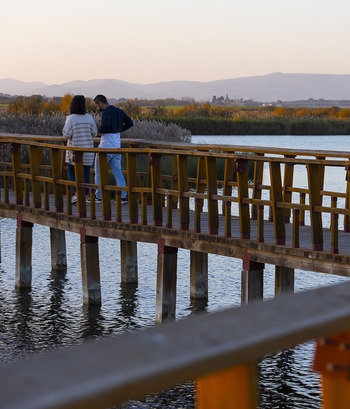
(147, 41)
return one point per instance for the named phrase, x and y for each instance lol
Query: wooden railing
(217, 349)
(33, 182)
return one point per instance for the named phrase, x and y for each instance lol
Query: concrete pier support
(58, 250)
(90, 269)
(166, 282)
(24, 234)
(198, 275)
(284, 280)
(128, 255)
(252, 279)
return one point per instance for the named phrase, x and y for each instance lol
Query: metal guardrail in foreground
(109, 371)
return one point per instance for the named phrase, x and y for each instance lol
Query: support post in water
(58, 249)
(198, 275)
(252, 278)
(24, 234)
(128, 255)
(284, 280)
(166, 282)
(90, 268)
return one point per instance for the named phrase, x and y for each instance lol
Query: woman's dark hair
(77, 105)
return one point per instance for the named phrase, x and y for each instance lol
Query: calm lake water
(51, 314)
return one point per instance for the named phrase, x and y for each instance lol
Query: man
(113, 122)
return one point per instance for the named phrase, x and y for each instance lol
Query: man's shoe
(74, 199)
(97, 200)
(124, 200)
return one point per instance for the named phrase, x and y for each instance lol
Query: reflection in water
(286, 383)
(198, 305)
(92, 323)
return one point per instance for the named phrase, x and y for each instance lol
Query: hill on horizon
(265, 88)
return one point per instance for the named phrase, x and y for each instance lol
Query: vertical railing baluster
(36, 156)
(6, 186)
(144, 208)
(228, 177)
(69, 199)
(296, 224)
(233, 387)
(174, 182)
(57, 174)
(260, 222)
(16, 168)
(104, 180)
(79, 178)
(242, 180)
(200, 188)
(315, 186)
(169, 212)
(257, 182)
(27, 189)
(213, 216)
(287, 184)
(276, 197)
(227, 191)
(118, 206)
(334, 227)
(302, 211)
(132, 182)
(46, 196)
(184, 202)
(92, 204)
(155, 159)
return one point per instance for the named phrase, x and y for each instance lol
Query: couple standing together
(80, 128)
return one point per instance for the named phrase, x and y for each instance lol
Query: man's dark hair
(100, 98)
(77, 105)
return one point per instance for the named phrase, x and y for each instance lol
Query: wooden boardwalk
(268, 252)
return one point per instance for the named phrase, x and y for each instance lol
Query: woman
(79, 128)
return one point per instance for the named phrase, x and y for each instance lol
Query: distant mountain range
(266, 88)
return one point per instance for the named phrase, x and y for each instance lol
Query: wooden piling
(90, 268)
(24, 233)
(198, 275)
(252, 278)
(166, 282)
(284, 280)
(128, 255)
(58, 249)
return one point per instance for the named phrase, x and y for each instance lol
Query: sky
(148, 41)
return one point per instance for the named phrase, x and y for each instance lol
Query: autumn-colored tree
(132, 107)
(280, 111)
(66, 102)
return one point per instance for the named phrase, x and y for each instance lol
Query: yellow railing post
(233, 388)
(332, 360)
